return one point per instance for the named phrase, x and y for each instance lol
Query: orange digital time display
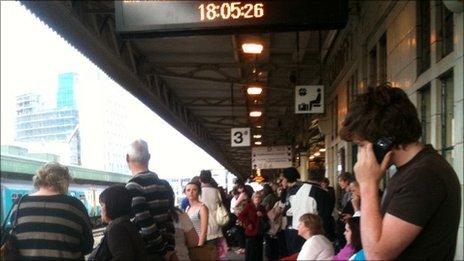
(231, 11)
(160, 18)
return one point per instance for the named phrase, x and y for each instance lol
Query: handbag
(204, 252)
(9, 249)
(264, 225)
(222, 215)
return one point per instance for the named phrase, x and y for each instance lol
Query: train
(88, 194)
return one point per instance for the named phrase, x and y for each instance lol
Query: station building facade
(415, 45)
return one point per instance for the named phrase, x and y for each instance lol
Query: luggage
(204, 252)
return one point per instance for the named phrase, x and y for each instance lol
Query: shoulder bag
(9, 249)
(222, 215)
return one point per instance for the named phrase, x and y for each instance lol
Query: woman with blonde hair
(316, 246)
(51, 224)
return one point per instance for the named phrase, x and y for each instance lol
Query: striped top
(152, 201)
(53, 227)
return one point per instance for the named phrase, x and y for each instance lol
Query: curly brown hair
(53, 175)
(384, 111)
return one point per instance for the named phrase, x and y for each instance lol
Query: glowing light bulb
(255, 114)
(254, 90)
(252, 48)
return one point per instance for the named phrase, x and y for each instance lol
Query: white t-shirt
(182, 226)
(317, 247)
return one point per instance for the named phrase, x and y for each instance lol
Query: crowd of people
(288, 219)
(294, 220)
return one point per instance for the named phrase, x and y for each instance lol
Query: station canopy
(197, 80)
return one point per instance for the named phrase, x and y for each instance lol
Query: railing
(22, 165)
(98, 232)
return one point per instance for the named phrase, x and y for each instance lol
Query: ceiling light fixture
(258, 143)
(322, 149)
(252, 48)
(317, 154)
(257, 136)
(254, 90)
(255, 114)
(259, 126)
(311, 157)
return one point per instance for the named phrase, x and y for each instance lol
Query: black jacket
(121, 241)
(324, 206)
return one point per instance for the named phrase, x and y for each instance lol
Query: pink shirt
(345, 253)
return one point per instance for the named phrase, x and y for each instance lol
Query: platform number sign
(240, 137)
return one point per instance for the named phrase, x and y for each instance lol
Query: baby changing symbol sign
(309, 99)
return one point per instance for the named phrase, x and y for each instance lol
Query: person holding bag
(121, 240)
(50, 224)
(211, 198)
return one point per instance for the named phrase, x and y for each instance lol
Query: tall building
(65, 97)
(46, 125)
(28, 103)
(104, 123)
(58, 126)
(88, 124)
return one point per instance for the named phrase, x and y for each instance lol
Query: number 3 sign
(240, 137)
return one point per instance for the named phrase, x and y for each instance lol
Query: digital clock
(231, 10)
(152, 18)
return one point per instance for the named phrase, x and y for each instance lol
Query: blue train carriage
(11, 192)
(89, 195)
(10, 195)
(81, 196)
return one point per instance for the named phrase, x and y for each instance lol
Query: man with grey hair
(152, 201)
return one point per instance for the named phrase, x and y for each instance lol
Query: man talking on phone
(419, 214)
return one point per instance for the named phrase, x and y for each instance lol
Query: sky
(32, 56)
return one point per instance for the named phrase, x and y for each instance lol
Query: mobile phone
(381, 147)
